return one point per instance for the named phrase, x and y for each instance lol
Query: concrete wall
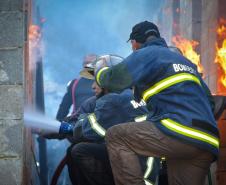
(11, 91)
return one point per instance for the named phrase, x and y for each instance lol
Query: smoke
(73, 29)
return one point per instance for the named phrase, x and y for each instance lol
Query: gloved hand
(52, 135)
(66, 128)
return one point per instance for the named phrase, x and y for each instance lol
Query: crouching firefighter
(90, 155)
(180, 125)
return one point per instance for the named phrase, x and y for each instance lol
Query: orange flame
(35, 47)
(221, 51)
(34, 34)
(188, 49)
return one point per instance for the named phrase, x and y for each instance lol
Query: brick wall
(11, 91)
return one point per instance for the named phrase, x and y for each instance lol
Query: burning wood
(221, 51)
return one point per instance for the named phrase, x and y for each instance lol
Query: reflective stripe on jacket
(176, 96)
(110, 109)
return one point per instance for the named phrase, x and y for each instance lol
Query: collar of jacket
(155, 41)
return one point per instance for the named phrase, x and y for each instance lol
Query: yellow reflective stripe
(190, 132)
(147, 182)
(167, 82)
(150, 159)
(99, 73)
(95, 125)
(140, 118)
(149, 163)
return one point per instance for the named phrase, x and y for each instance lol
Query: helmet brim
(87, 73)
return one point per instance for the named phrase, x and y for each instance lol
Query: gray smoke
(73, 29)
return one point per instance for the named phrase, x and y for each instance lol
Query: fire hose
(58, 170)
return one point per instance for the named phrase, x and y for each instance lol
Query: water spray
(36, 120)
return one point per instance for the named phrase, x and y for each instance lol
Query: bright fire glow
(221, 51)
(34, 35)
(188, 49)
(35, 45)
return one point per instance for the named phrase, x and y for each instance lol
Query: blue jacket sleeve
(65, 104)
(88, 106)
(94, 125)
(126, 74)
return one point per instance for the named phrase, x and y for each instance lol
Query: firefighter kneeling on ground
(89, 156)
(180, 125)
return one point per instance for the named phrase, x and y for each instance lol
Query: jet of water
(38, 120)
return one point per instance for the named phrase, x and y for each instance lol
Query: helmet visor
(107, 61)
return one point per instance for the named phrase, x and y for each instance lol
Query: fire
(188, 49)
(34, 34)
(221, 51)
(35, 45)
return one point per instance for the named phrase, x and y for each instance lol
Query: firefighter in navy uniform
(86, 107)
(180, 125)
(90, 154)
(78, 90)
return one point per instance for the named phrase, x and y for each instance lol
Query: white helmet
(107, 61)
(102, 61)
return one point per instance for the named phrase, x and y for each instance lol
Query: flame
(34, 34)
(188, 49)
(221, 51)
(35, 45)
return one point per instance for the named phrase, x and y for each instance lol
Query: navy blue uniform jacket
(175, 94)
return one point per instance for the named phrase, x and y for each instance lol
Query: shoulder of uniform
(71, 82)
(111, 95)
(110, 99)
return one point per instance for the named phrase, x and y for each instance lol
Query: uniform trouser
(72, 170)
(187, 165)
(90, 165)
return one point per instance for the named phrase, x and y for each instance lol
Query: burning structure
(197, 27)
(199, 30)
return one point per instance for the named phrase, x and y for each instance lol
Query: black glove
(52, 135)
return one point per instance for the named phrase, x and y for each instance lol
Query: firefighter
(86, 107)
(90, 156)
(78, 90)
(180, 125)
